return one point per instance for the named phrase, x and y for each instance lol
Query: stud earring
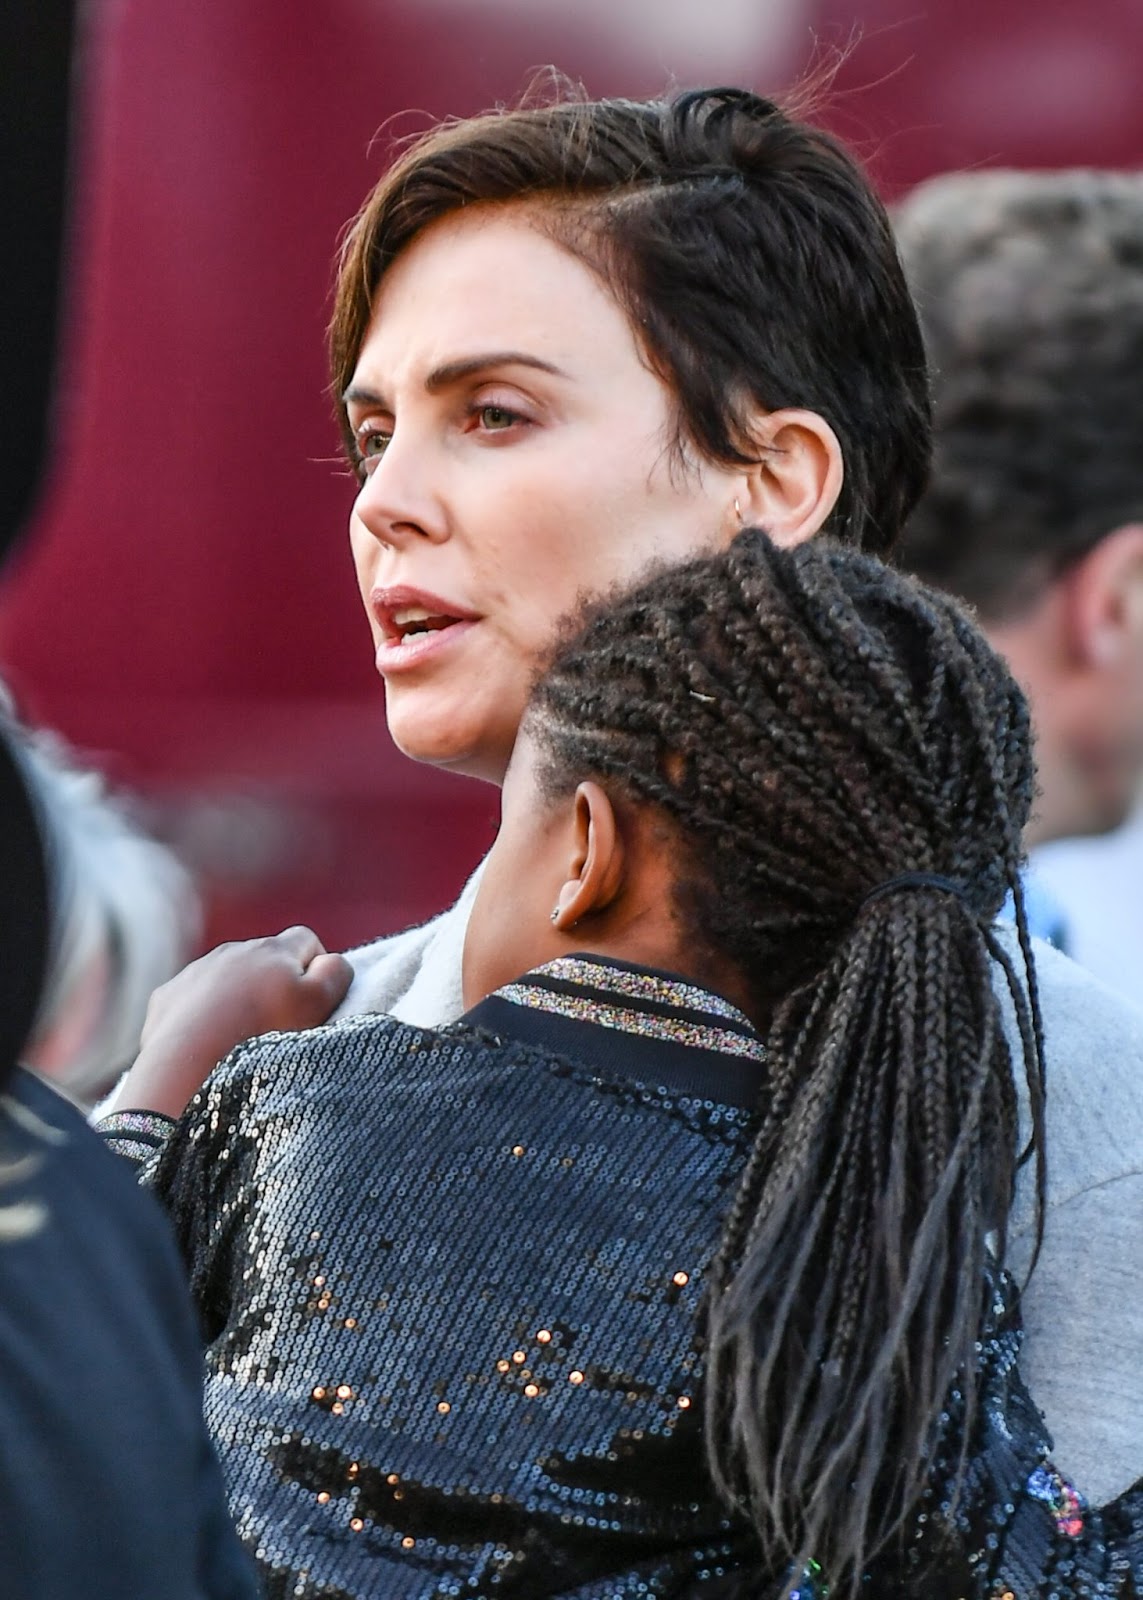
(555, 913)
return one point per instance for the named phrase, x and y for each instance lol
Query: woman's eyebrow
(468, 366)
(357, 395)
(451, 372)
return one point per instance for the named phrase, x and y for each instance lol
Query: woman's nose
(397, 502)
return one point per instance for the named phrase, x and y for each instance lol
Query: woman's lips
(415, 626)
(395, 656)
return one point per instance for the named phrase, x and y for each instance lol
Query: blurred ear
(1103, 601)
(596, 866)
(795, 484)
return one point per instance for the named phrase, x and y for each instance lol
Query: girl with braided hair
(677, 1267)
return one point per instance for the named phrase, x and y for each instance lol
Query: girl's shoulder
(279, 1062)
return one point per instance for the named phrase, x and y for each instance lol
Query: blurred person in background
(125, 918)
(1030, 292)
(109, 1488)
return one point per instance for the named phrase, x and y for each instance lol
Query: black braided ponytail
(817, 725)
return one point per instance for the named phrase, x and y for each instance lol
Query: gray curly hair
(115, 893)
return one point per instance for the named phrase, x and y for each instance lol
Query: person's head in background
(575, 338)
(1030, 292)
(124, 917)
(724, 773)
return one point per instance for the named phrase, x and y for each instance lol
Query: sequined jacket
(451, 1284)
(1083, 1322)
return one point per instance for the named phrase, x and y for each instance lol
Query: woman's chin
(456, 746)
(464, 722)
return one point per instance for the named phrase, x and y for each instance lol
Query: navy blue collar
(627, 1021)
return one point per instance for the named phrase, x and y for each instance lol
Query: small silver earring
(555, 913)
(737, 510)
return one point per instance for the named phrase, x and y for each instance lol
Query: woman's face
(515, 450)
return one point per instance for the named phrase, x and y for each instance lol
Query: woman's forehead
(489, 279)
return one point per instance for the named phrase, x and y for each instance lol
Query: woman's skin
(516, 457)
(516, 452)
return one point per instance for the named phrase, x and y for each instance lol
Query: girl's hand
(270, 985)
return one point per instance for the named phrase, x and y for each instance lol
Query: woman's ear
(595, 869)
(794, 486)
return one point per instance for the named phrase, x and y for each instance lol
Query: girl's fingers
(301, 942)
(331, 975)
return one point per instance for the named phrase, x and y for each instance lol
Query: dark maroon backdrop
(184, 603)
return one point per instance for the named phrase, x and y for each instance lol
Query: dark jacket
(109, 1489)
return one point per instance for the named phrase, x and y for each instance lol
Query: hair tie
(920, 880)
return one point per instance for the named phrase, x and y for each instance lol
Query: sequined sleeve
(200, 1174)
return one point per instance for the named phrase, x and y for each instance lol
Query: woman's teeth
(414, 620)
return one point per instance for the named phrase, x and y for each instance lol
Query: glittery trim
(148, 1125)
(643, 986)
(135, 1135)
(591, 1006)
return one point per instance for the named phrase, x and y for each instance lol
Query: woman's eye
(496, 418)
(371, 445)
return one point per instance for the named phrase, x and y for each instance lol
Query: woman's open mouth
(412, 621)
(415, 626)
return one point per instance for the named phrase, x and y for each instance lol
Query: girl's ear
(595, 869)
(795, 484)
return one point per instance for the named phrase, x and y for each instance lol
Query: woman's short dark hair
(748, 249)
